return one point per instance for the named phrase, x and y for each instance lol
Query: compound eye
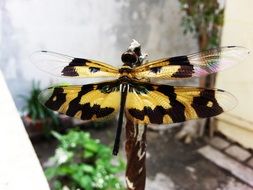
(129, 58)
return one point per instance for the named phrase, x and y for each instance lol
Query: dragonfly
(131, 94)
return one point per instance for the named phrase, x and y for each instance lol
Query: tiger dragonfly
(131, 94)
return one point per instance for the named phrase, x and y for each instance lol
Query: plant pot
(35, 128)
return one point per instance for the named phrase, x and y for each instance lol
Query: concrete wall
(100, 30)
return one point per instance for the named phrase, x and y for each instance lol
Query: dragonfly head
(129, 58)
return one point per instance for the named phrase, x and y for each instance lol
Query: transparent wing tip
(226, 100)
(240, 51)
(239, 48)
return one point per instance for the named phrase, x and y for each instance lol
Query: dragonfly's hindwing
(87, 102)
(164, 104)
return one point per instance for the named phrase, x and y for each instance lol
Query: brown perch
(135, 145)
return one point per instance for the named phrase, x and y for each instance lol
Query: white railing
(19, 165)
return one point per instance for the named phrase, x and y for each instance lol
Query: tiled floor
(231, 157)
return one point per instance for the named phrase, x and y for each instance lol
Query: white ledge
(19, 165)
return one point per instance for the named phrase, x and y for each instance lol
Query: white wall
(238, 30)
(99, 29)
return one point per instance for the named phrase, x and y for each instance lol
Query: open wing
(88, 102)
(193, 65)
(163, 104)
(64, 65)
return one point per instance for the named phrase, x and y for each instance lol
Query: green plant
(83, 163)
(204, 19)
(36, 111)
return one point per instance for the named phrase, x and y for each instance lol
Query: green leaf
(51, 172)
(91, 146)
(87, 168)
(64, 170)
(86, 182)
(57, 185)
(58, 136)
(88, 154)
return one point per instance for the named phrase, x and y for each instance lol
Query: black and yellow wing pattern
(145, 103)
(88, 102)
(193, 65)
(164, 104)
(64, 65)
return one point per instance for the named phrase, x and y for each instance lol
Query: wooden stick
(136, 156)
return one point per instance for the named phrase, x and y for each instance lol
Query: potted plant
(38, 119)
